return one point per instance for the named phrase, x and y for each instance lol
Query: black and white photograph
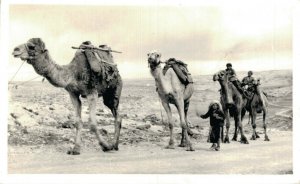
(149, 92)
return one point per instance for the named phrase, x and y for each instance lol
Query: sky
(252, 35)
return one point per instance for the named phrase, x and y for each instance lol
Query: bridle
(153, 65)
(31, 52)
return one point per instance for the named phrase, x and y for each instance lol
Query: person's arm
(233, 73)
(219, 115)
(244, 83)
(204, 116)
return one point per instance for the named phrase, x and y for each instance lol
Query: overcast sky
(252, 35)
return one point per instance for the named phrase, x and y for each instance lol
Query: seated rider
(248, 82)
(232, 78)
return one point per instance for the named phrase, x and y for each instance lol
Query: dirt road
(259, 157)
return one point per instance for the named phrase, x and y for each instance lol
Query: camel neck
(157, 72)
(54, 73)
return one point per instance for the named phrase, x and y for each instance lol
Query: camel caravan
(92, 73)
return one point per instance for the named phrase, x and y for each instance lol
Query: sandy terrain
(41, 130)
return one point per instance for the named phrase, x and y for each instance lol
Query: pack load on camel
(101, 62)
(180, 69)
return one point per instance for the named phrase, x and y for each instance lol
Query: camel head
(29, 50)
(220, 76)
(256, 85)
(153, 59)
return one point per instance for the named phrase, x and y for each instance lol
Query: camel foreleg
(180, 108)
(171, 125)
(77, 106)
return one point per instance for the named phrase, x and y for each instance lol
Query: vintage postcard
(181, 91)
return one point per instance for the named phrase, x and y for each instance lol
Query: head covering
(250, 73)
(215, 102)
(228, 64)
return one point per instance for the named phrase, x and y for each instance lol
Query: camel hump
(180, 68)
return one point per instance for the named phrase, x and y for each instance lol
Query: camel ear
(158, 55)
(38, 43)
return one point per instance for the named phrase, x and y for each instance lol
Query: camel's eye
(31, 47)
(156, 55)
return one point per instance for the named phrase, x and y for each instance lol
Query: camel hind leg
(253, 123)
(226, 139)
(111, 99)
(265, 124)
(188, 92)
(239, 123)
(183, 138)
(180, 108)
(188, 123)
(234, 138)
(92, 98)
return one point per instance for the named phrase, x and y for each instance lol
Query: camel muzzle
(17, 52)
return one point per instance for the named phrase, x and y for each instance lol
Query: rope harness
(32, 55)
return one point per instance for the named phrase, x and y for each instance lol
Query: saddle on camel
(101, 62)
(180, 69)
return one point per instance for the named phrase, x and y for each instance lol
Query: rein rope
(16, 86)
(16, 72)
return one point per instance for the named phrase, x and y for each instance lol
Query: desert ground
(41, 130)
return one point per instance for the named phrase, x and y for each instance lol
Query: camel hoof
(267, 138)
(234, 138)
(73, 152)
(226, 140)
(217, 148)
(106, 148)
(190, 148)
(170, 147)
(116, 147)
(257, 136)
(253, 137)
(182, 145)
(244, 140)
